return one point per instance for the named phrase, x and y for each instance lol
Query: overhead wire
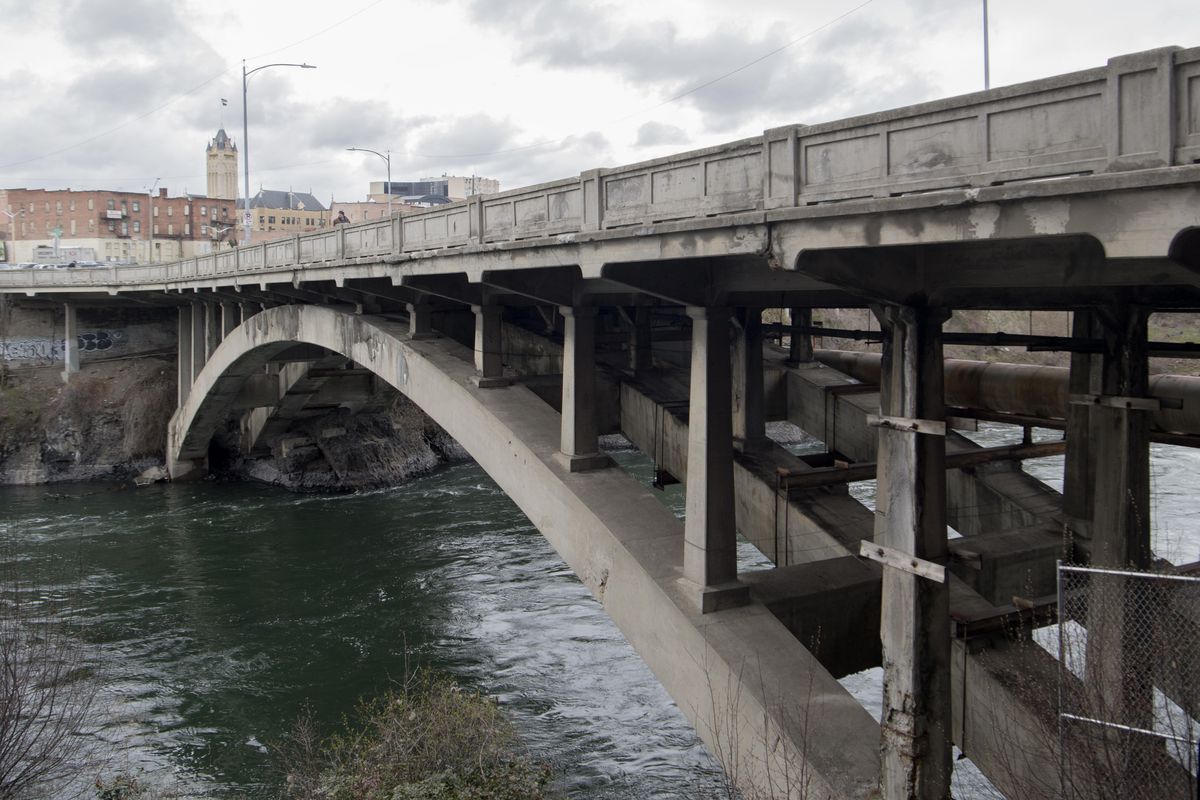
(458, 156)
(188, 93)
(670, 100)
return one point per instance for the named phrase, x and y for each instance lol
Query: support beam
(199, 353)
(420, 319)
(911, 517)
(212, 329)
(183, 346)
(749, 421)
(641, 340)
(489, 362)
(710, 542)
(801, 344)
(231, 317)
(1079, 466)
(70, 342)
(1118, 642)
(580, 449)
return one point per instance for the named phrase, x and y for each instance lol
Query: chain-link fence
(1129, 684)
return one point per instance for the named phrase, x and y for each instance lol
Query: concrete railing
(1141, 111)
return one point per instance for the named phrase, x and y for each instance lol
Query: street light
(388, 159)
(987, 73)
(150, 222)
(246, 215)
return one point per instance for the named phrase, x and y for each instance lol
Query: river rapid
(215, 612)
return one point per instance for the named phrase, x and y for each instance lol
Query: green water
(215, 612)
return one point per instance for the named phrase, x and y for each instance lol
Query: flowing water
(216, 612)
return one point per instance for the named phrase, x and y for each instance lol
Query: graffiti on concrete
(98, 340)
(44, 350)
(32, 351)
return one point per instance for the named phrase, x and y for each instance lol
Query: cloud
(654, 134)
(657, 56)
(142, 24)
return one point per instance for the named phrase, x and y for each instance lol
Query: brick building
(116, 226)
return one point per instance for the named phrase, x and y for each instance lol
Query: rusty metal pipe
(1028, 389)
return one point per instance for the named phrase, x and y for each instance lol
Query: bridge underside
(527, 344)
(527, 368)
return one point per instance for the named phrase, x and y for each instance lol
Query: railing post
(781, 167)
(591, 185)
(476, 220)
(341, 241)
(397, 234)
(1141, 109)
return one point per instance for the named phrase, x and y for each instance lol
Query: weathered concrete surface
(753, 692)
(992, 497)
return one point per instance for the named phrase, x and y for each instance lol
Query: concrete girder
(752, 691)
(1039, 271)
(1134, 215)
(454, 287)
(731, 281)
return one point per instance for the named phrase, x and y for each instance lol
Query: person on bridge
(341, 218)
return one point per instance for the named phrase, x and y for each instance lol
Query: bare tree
(46, 697)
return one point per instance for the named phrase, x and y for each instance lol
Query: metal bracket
(1114, 401)
(891, 557)
(930, 427)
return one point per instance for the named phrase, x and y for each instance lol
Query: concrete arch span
(749, 687)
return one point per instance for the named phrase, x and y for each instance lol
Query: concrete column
(212, 329)
(489, 363)
(641, 341)
(1118, 637)
(910, 517)
(749, 421)
(70, 342)
(710, 541)
(184, 350)
(580, 449)
(231, 317)
(199, 352)
(1120, 438)
(1079, 465)
(801, 350)
(420, 320)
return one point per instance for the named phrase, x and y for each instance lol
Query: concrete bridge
(631, 299)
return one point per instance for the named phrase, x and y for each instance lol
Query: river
(215, 612)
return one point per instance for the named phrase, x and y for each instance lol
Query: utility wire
(187, 93)
(666, 102)
(309, 38)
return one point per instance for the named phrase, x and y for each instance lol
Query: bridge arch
(730, 673)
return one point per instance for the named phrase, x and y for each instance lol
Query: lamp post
(987, 77)
(388, 159)
(246, 215)
(150, 222)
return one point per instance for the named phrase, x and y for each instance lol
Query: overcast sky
(117, 93)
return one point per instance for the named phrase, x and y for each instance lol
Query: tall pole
(245, 157)
(246, 215)
(150, 224)
(987, 78)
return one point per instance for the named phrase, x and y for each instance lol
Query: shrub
(427, 738)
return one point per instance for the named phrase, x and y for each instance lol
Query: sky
(124, 94)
